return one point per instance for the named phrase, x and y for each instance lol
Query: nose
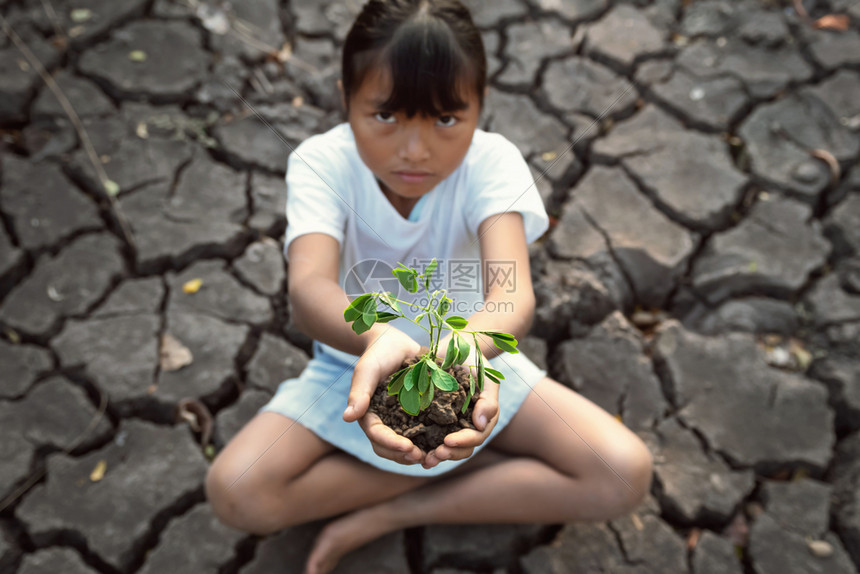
(414, 147)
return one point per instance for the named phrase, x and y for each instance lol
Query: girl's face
(410, 156)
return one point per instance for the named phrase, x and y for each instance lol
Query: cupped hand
(485, 415)
(383, 356)
(461, 444)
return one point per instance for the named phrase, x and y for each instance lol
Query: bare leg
(275, 474)
(552, 476)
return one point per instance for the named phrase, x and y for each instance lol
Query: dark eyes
(445, 120)
(385, 117)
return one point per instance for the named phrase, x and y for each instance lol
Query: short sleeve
(500, 181)
(315, 202)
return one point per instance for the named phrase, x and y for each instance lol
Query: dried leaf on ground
(98, 472)
(693, 538)
(197, 415)
(192, 286)
(173, 355)
(79, 15)
(213, 18)
(12, 335)
(111, 188)
(819, 548)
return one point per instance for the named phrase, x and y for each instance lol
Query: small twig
(36, 64)
(38, 475)
(831, 161)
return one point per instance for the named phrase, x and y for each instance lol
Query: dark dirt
(429, 429)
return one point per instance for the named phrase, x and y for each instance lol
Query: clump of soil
(429, 429)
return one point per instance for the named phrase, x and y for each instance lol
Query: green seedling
(415, 385)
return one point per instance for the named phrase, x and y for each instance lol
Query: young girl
(409, 178)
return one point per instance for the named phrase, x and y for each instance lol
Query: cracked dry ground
(702, 278)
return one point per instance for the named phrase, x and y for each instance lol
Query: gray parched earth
(700, 280)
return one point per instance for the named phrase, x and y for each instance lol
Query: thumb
(484, 412)
(362, 387)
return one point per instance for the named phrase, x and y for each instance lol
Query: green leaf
(359, 326)
(465, 405)
(427, 397)
(444, 381)
(480, 373)
(503, 336)
(396, 382)
(409, 400)
(471, 384)
(428, 273)
(505, 344)
(385, 317)
(412, 376)
(350, 314)
(495, 373)
(463, 349)
(354, 309)
(444, 305)
(407, 279)
(388, 299)
(368, 312)
(493, 378)
(451, 353)
(423, 380)
(456, 322)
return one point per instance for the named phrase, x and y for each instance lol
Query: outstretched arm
(509, 299)
(317, 303)
(509, 308)
(316, 300)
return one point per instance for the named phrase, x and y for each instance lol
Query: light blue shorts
(317, 398)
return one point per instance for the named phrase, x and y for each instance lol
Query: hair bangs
(429, 70)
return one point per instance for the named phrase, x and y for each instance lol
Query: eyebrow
(380, 104)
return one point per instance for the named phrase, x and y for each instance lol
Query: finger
(485, 411)
(444, 452)
(464, 438)
(399, 457)
(365, 378)
(384, 437)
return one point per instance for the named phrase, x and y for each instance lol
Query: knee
(641, 471)
(237, 502)
(635, 465)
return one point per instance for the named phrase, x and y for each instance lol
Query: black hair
(429, 47)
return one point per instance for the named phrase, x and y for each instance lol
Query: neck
(403, 205)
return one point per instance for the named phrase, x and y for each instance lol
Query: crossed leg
(560, 459)
(276, 473)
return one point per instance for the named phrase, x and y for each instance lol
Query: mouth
(412, 176)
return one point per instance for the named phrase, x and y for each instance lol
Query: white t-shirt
(330, 190)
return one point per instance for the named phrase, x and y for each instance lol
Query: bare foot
(345, 534)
